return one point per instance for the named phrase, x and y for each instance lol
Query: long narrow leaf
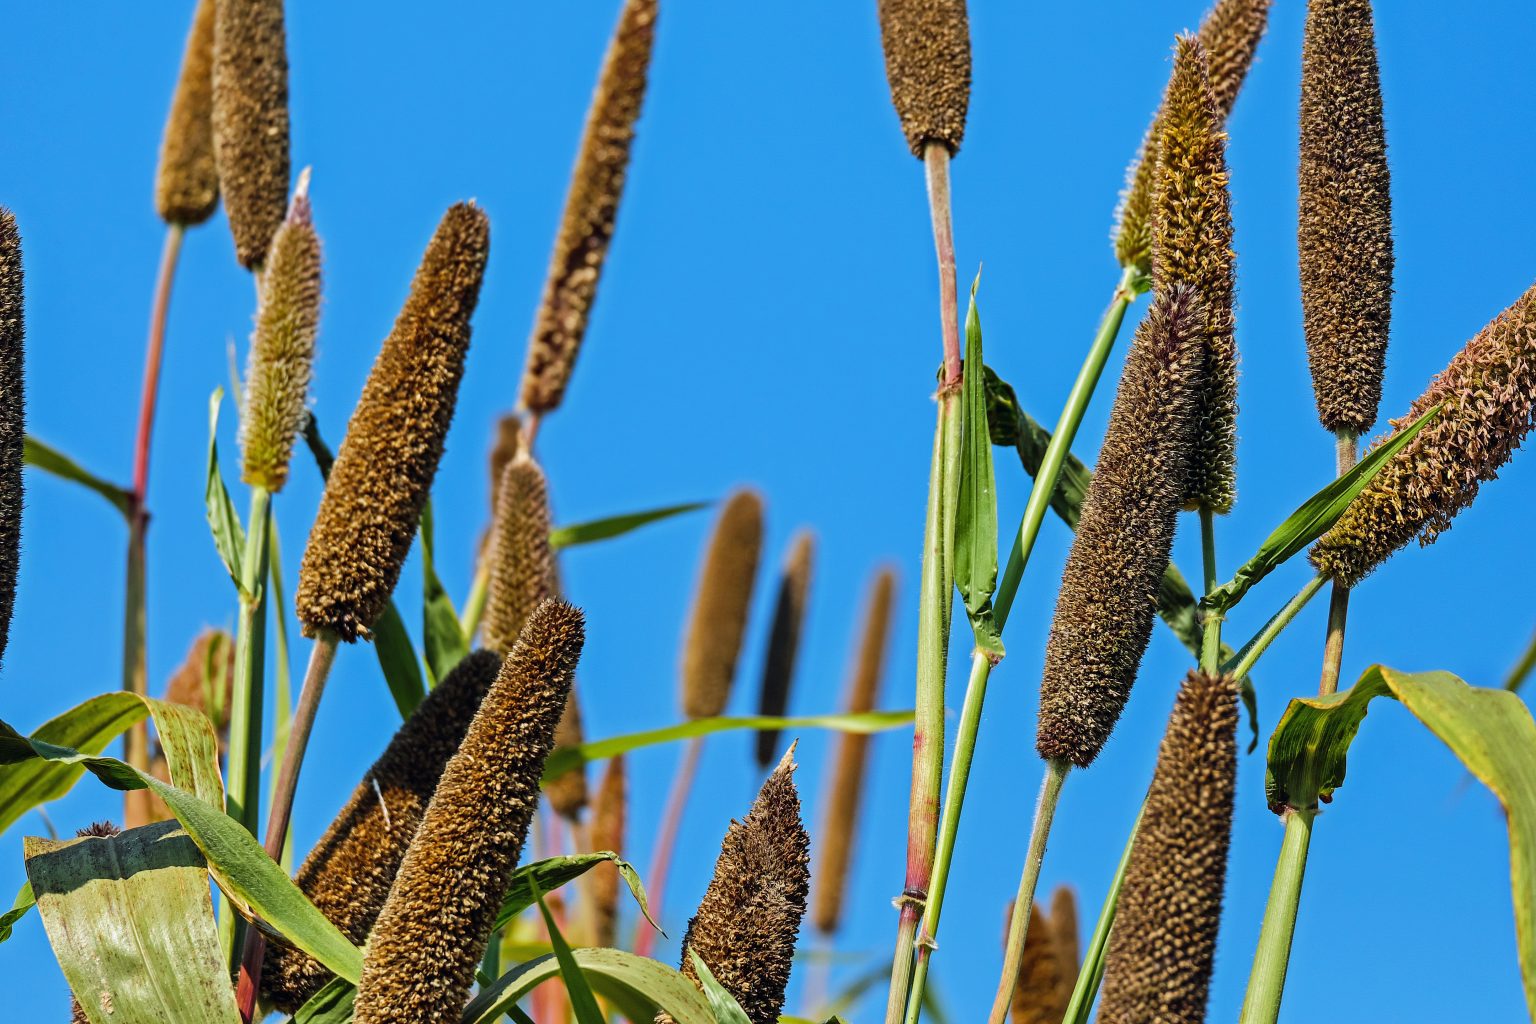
(223, 520)
(636, 986)
(331, 1005)
(50, 460)
(583, 1004)
(726, 1009)
(442, 633)
(616, 526)
(976, 515)
(25, 901)
(549, 874)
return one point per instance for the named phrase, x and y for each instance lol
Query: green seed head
(187, 180)
(250, 121)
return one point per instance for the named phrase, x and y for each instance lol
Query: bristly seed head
(1109, 587)
(720, 607)
(784, 641)
(1192, 245)
(1161, 951)
(187, 179)
(1344, 234)
(567, 792)
(522, 563)
(928, 65)
(1487, 396)
(591, 210)
(608, 816)
(250, 121)
(13, 414)
(383, 473)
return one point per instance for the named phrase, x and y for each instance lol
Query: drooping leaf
(563, 759)
(549, 874)
(1489, 730)
(50, 460)
(1312, 518)
(615, 526)
(25, 901)
(223, 520)
(583, 1003)
(131, 924)
(976, 515)
(726, 1009)
(637, 987)
(331, 1005)
(442, 633)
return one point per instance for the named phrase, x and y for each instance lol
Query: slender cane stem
(936, 173)
(321, 657)
(1266, 983)
(1210, 624)
(1243, 661)
(1023, 903)
(1523, 668)
(1092, 971)
(135, 671)
(666, 841)
(1338, 605)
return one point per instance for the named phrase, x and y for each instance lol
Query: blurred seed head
(435, 925)
(928, 65)
(1109, 587)
(250, 121)
(720, 606)
(608, 819)
(506, 446)
(845, 789)
(282, 348)
(349, 872)
(1192, 245)
(591, 209)
(1230, 34)
(1063, 921)
(1488, 393)
(1043, 975)
(567, 793)
(206, 677)
(784, 640)
(187, 180)
(13, 414)
(1344, 234)
(522, 563)
(747, 923)
(384, 470)
(1158, 967)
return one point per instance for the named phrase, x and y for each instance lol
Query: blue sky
(768, 319)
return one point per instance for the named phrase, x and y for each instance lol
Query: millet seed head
(1109, 588)
(250, 121)
(434, 928)
(504, 448)
(383, 473)
(1487, 396)
(567, 792)
(724, 597)
(282, 350)
(928, 65)
(1043, 975)
(349, 872)
(13, 414)
(522, 563)
(1064, 928)
(1161, 951)
(845, 787)
(608, 817)
(591, 209)
(1344, 229)
(784, 640)
(1192, 245)
(187, 179)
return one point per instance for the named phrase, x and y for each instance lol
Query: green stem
(1023, 903)
(1338, 604)
(1523, 668)
(474, 603)
(1210, 625)
(1092, 972)
(1267, 981)
(1240, 664)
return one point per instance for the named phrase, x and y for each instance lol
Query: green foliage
(442, 633)
(50, 460)
(975, 542)
(223, 520)
(583, 1004)
(25, 901)
(637, 987)
(616, 526)
(726, 1009)
(551, 873)
(143, 895)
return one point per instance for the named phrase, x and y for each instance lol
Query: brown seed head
(250, 121)
(928, 65)
(349, 872)
(1158, 967)
(1344, 233)
(607, 833)
(1230, 34)
(99, 829)
(1064, 928)
(1489, 396)
(506, 446)
(720, 607)
(567, 793)
(433, 930)
(591, 207)
(187, 181)
(747, 922)
(13, 414)
(282, 349)
(206, 677)
(845, 791)
(1109, 587)
(784, 640)
(1192, 245)
(1043, 975)
(522, 564)
(383, 472)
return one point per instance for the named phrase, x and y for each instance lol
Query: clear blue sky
(767, 318)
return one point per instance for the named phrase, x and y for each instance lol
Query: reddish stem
(936, 171)
(666, 842)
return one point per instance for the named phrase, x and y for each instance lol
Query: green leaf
(1313, 518)
(25, 901)
(976, 514)
(223, 520)
(564, 759)
(637, 987)
(50, 460)
(553, 872)
(583, 1004)
(331, 1005)
(1489, 730)
(726, 1009)
(132, 926)
(442, 632)
(614, 526)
